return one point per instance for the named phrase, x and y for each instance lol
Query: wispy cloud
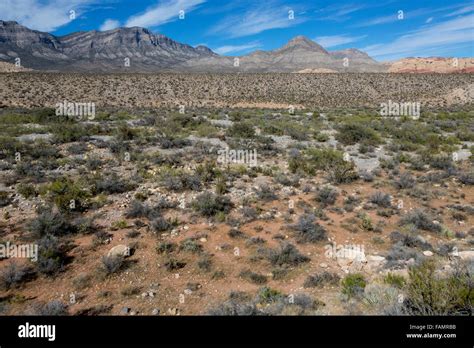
(109, 24)
(337, 40)
(463, 10)
(41, 15)
(236, 48)
(257, 20)
(339, 12)
(440, 36)
(163, 12)
(394, 16)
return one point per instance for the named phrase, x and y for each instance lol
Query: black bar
(290, 331)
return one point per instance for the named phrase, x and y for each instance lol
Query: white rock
(466, 255)
(119, 250)
(427, 253)
(323, 265)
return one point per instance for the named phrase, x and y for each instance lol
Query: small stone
(188, 291)
(144, 295)
(155, 311)
(323, 265)
(125, 310)
(203, 240)
(427, 253)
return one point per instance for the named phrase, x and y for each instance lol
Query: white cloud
(265, 17)
(109, 24)
(236, 48)
(336, 40)
(429, 20)
(435, 37)
(41, 15)
(165, 11)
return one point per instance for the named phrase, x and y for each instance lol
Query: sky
(385, 29)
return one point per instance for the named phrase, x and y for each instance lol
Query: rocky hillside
(432, 65)
(112, 50)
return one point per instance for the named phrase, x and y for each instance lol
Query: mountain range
(137, 49)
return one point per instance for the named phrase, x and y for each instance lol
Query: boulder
(119, 250)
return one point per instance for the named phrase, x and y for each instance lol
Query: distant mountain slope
(139, 50)
(433, 64)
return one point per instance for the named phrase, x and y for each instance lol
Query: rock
(173, 311)
(144, 295)
(427, 253)
(125, 310)
(203, 240)
(151, 293)
(119, 250)
(323, 265)
(155, 311)
(466, 255)
(188, 291)
(375, 258)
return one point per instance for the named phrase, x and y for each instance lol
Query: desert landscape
(144, 176)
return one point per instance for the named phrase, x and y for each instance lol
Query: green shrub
(353, 285)
(428, 293)
(395, 280)
(209, 204)
(353, 133)
(68, 195)
(241, 130)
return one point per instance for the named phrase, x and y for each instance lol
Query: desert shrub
(209, 204)
(178, 180)
(78, 148)
(173, 264)
(405, 181)
(441, 162)
(190, 245)
(137, 209)
(467, 178)
(366, 176)
(241, 130)
(51, 255)
(352, 133)
(233, 307)
(111, 184)
(249, 213)
(5, 199)
(253, 277)
(381, 199)
(327, 195)
(49, 222)
(428, 293)
(52, 308)
(205, 263)
(15, 274)
(82, 281)
(160, 224)
(268, 295)
(67, 133)
(235, 233)
(395, 280)
(353, 285)
(112, 264)
(68, 195)
(266, 193)
(321, 279)
(400, 252)
(307, 230)
(166, 247)
(26, 190)
(288, 254)
(421, 220)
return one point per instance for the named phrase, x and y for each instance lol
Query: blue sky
(386, 29)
